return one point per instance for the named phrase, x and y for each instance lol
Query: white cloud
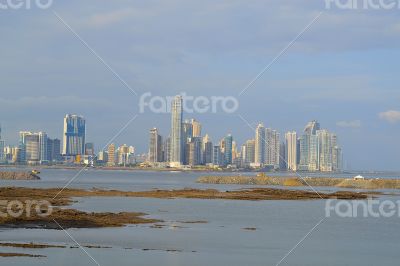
(391, 116)
(349, 124)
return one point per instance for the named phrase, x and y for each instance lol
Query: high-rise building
(260, 145)
(155, 150)
(250, 152)
(325, 150)
(312, 127)
(228, 149)
(177, 141)
(32, 148)
(167, 149)
(207, 150)
(337, 159)
(22, 146)
(291, 151)
(89, 149)
(43, 147)
(35, 147)
(2, 147)
(74, 135)
(196, 127)
(53, 150)
(124, 155)
(102, 157)
(111, 155)
(217, 159)
(273, 148)
(194, 151)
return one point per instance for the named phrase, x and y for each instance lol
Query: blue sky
(342, 71)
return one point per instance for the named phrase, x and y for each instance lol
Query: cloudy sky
(343, 70)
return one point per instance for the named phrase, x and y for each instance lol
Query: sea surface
(287, 232)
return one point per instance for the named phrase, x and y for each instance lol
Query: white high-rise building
(260, 145)
(291, 151)
(177, 144)
(325, 150)
(272, 148)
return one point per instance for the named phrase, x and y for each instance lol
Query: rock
(18, 176)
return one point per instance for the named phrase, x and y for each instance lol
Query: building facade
(74, 135)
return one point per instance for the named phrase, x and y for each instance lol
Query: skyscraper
(207, 150)
(194, 151)
(291, 151)
(167, 149)
(260, 145)
(177, 144)
(228, 149)
(273, 148)
(155, 146)
(74, 135)
(111, 155)
(217, 158)
(43, 156)
(53, 150)
(325, 150)
(32, 148)
(250, 152)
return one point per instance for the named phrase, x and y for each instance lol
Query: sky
(342, 70)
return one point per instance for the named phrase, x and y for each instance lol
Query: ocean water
(280, 226)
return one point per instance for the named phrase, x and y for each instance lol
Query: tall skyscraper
(207, 150)
(74, 135)
(228, 149)
(217, 158)
(177, 142)
(43, 147)
(167, 149)
(111, 155)
(32, 148)
(155, 150)
(325, 150)
(194, 151)
(291, 151)
(250, 152)
(22, 146)
(273, 148)
(260, 145)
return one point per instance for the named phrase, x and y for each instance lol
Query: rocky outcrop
(303, 182)
(18, 176)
